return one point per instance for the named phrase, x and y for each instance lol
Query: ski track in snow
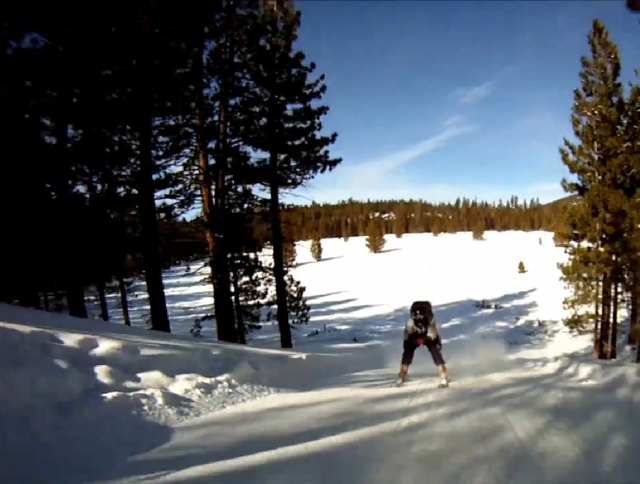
(96, 402)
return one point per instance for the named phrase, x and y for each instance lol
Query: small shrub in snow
(375, 236)
(521, 268)
(399, 223)
(296, 301)
(298, 308)
(346, 228)
(316, 248)
(289, 253)
(478, 231)
(251, 283)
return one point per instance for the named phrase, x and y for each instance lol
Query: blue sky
(437, 100)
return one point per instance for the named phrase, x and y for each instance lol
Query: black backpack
(422, 314)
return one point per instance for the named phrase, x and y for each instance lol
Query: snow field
(100, 402)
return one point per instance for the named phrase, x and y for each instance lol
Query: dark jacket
(428, 330)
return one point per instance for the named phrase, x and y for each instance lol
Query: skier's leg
(438, 359)
(408, 350)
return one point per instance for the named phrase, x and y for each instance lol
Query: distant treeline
(183, 240)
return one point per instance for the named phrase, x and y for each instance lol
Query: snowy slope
(353, 291)
(90, 401)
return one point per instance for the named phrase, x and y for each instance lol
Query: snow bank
(80, 397)
(53, 359)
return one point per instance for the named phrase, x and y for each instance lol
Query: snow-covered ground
(88, 401)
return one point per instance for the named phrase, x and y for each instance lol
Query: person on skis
(422, 330)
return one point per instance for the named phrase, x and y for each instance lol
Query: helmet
(422, 311)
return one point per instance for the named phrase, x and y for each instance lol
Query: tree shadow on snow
(322, 312)
(311, 299)
(324, 259)
(385, 251)
(476, 342)
(459, 319)
(533, 428)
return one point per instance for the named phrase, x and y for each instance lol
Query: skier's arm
(436, 331)
(408, 329)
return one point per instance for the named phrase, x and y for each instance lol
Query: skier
(422, 329)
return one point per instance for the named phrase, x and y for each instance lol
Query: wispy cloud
(376, 168)
(382, 175)
(472, 95)
(467, 96)
(452, 121)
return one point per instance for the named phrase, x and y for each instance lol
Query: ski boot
(402, 376)
(444, 379)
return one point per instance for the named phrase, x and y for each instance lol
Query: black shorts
(410, 345)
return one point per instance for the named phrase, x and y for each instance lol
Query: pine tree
(477, 231)
(399, 220)
(632, 192)
(521, 268)
(289, 252)
(436, 226)
(346, 228)
(285, 126)
(296, 302)
(316, 247)
(251, 282)
(597, 163)
(375, 235)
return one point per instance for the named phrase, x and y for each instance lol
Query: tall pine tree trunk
(220, 274)
(242, 333)
(220, 268)
(102, 297)
(150, 241)
(614, 323)
(277, 240)
(124, 300)
(597, 340)
(208, 208)
(75, 302)
(605, 325)
(634, 323)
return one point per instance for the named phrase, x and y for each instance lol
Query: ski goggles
(420, 317)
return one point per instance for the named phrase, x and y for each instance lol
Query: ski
(399, 384)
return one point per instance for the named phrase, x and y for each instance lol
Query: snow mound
(170, 400)
(163, 381)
